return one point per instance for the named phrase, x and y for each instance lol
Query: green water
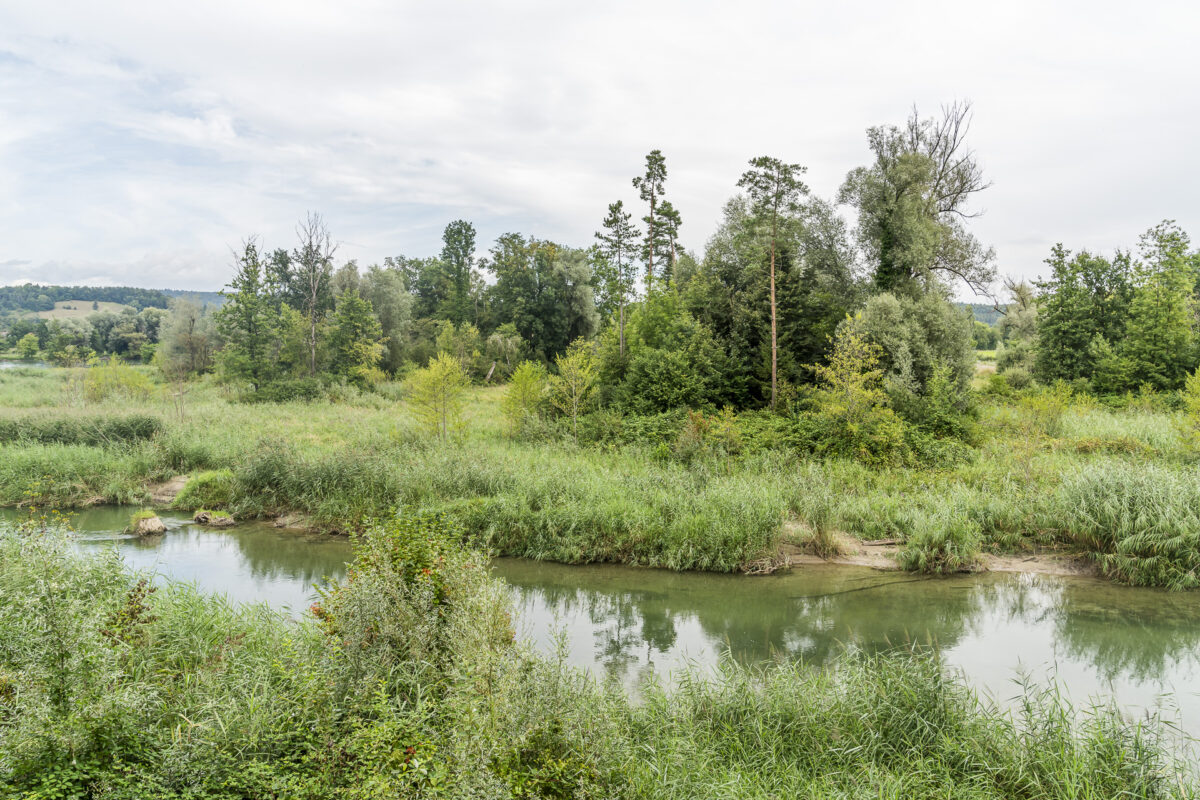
(1101, 640)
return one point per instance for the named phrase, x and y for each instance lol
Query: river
(1141, 646)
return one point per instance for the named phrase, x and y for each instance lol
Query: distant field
(65, 309)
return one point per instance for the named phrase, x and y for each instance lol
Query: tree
(1086, 296)
(458, 255)
(912, 203)
(571, 388)
(614, 272)
(308, 275)
(773, 187)
(1160, 338)
(670, 222)
(386, 289)
(650, 188)
(188, 342)
(544, 290)
(27, 347)
(247, 321)
(1019, 329)
(435, 395)
(525, 400)
(356, 340)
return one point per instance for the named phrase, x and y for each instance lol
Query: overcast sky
(139, 142)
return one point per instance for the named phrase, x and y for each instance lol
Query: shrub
(527, 397)
(435, 395)
(115, 379)
(286, 391)
(212, 489)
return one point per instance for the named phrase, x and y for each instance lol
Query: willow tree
(774, 188)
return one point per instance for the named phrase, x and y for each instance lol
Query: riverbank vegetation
(406, 680)
(633, 401)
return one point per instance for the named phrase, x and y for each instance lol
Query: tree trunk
(621, 330)
(774, 340)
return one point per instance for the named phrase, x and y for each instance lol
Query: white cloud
(138, 141)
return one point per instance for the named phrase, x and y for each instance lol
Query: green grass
(407, 682)
(343, 461)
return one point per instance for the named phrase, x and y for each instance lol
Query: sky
(141, 142)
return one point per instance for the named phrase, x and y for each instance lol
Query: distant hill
(984, 312)
(32, 297)
(66, 309)
(210, 299)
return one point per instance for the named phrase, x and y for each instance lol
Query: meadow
(1048, 473)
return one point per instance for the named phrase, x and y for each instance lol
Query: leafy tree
(544, 290)
(189, 340)
(435, 395)
(527, 395)
(345, 279)
(1086, 296)
(571, 388)
(27, 347)
(247, 322)
(385, 288)
(1189, 423)
(614, 272)
(458, 256)
(1019, 329)
(913, 200)
(505, 348)
(774, 188)
(917, 336)
(729, 291)
(461, 341)
(309, 273)
(672, 361)
(1160, 338)
(356, 340)
(650, 187)
(854, 419)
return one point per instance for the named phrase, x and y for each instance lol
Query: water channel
(1100, 640)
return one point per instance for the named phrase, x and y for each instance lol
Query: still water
(1101, 640)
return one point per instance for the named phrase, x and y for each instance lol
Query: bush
(115, 379)
(286, 391)
(212, 489)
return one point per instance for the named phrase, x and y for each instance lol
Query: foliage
(405, 680)
(853, 419)
(1086, 297)
(435, 395)
(248, 324)
(28, 346)
(208, 489)
(114, 379)
(526, 399)
(356, 341)
(574, 381)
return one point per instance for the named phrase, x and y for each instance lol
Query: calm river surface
(1141, 646)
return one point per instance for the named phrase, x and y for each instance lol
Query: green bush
(286, 391)
(212, 489)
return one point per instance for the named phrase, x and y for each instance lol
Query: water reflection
(1097, 638)
(626, 623)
